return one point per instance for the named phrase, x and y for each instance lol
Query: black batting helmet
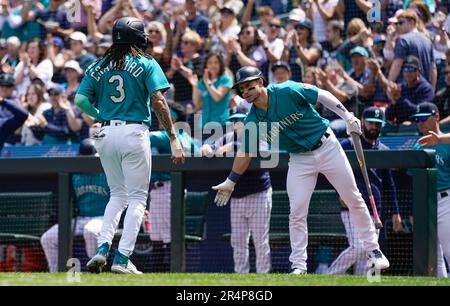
(87, 147)
(129, 30)
(247, 74)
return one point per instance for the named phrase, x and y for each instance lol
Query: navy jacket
(381, 180)
(12, 117)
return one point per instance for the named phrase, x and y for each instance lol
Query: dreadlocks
(117, 54)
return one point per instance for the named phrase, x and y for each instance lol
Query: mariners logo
(238, 75)
(440, 160)
(377, 113)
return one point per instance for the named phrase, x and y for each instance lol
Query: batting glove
(353, 126)
(224, 191)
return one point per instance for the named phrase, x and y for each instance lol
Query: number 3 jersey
(124, 94)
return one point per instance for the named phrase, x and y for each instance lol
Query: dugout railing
(420, 162)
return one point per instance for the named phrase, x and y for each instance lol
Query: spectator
(384, 192)
(195, 21)
(347, 10)
(304, 51)
(72, 73)
(77, 42)
(120, 9)
(310, 76)
(281, 72)
(442, 99)
(405, 97)
(90, 196)
(52, 19)
(321, 12)
(357, 35)
(35, 104)
(59, 123)
(57, 55)
(160, 42)
(263, 12)
(330, 47)
(81, 23)
(12, 116)
(412, 42)
(273, 45)
(362, 76)
(182, 68)
(248, 51)
(10, 18)
(212, 93)
(10, 60)
(224, 30)
(7, 86)
(332, 80)
(33, 64)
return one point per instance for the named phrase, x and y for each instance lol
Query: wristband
(234, 177)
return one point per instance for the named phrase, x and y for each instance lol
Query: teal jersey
(442, 164)
(91, 194)
(124, 94)
(216, 111)
(160, 143)
(291, 104)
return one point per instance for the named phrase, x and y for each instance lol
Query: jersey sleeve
(155, 78)
(304, 92)
(87, 88)
(225, 81)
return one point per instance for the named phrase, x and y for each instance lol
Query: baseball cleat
(96, 264)
(122, 265)
(298, 271)
(377, 260)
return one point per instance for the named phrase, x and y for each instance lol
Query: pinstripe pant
(354, 254)
(251, 214)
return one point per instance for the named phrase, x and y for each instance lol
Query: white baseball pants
(304, 168)
(443, 228)
(89, 227)
(354, 254)
(125, 155)
(251, 214)
(159, 215)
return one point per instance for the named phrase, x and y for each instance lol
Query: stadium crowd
(394, 63)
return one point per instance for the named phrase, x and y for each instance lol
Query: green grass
(213, 279)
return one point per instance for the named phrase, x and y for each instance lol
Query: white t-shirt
(320, 25)
(276, 47)
(44, 72)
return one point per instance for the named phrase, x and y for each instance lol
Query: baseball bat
(362, 164)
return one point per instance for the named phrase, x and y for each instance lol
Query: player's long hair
(116, 54)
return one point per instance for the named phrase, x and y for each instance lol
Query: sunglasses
(273, 25)
(300, 27)
(409, 69)
(421, 119)
(246, 33)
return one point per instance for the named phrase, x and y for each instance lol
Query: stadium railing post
(177, 253)
(425, 222)
(64, 221)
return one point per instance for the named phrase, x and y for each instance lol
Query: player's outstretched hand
(431, 139)
(224, 191)
(353, 126)
(177, 152)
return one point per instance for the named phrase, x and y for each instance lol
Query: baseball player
(313, 149)
(251, 204)
(427, 119)
(381, 181)
(90, 196)
(123, 83)
(160, 195)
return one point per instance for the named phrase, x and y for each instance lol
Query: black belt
(320, 143)
(107, 122)
(443, 194)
